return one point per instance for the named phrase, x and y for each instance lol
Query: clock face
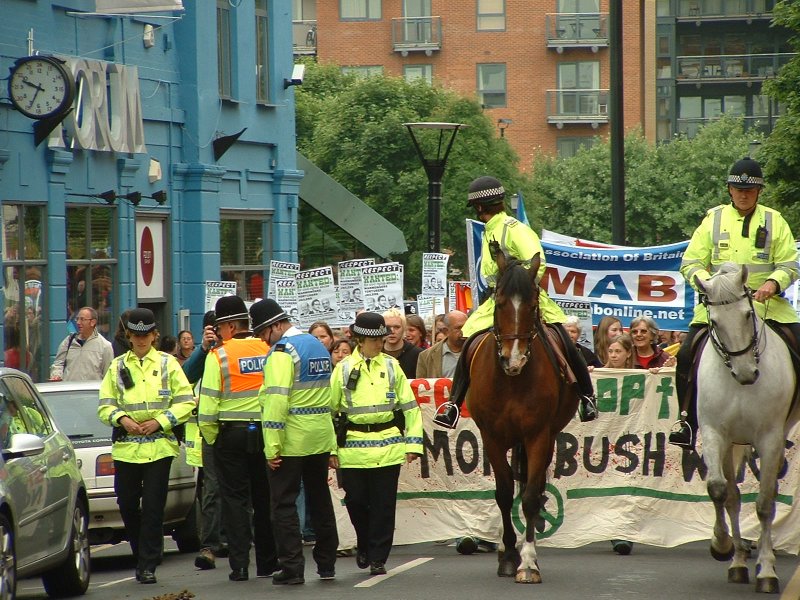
(40, 87)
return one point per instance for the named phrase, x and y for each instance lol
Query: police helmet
(746, 174)
(485, 191)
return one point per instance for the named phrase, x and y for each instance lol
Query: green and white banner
(616, 477)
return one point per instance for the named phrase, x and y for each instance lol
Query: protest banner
(280, 270)
(613, 478)
(316, 296)
(434, 274)
(383, 286)
(216, 290)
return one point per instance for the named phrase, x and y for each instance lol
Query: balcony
(724, 10)
(304, 37)
(763, 124)
(417, 34)
(589, 107)
(577, 30)
(730, 68)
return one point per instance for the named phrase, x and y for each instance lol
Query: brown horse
(518, 396)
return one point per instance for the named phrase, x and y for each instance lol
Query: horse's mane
(515, 280)
(726, 284)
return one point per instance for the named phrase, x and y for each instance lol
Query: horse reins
(528, 337)
(719, 346)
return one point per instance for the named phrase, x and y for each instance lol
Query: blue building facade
(176, 165)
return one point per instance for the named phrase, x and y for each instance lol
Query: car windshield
(75, 411)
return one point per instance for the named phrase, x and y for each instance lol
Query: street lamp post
(434, 169)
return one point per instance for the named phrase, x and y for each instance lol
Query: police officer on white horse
(747, 233)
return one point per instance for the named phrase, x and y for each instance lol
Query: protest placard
(216, 290)
(280, 270)
(383, 286)
(316, 296)
(434, 274)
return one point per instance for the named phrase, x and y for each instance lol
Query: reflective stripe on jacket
(521, 242)
(231, 379)
(296, 397)
(373, 401)
(161, 392)
(726, 236)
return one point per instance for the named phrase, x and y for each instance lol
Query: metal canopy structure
(347, 211)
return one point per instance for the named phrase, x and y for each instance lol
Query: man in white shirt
(85, 355)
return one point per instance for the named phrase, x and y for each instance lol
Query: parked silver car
(44, 509)
(74, 405)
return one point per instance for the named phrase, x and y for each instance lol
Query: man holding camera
(229, 416)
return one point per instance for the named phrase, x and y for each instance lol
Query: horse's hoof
(723, 556)
(768, 585)
(506, 569)
(528, 576)
(738, 575)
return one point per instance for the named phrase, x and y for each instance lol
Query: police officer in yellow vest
(486, 195)
(379, 427)
(746, 233)
(144, 396)
(229, 416)
(298, 440)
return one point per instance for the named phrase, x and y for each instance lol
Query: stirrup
(447, 415)
(587, 409)
(683, 436)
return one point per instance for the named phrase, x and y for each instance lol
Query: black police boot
(447, 415)
(683, 436)
(587, 410)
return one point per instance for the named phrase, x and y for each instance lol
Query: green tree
(352, 128)
(781, 153)
(668, 187)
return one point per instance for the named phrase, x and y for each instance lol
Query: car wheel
(185, 533)
(71, 577)
(8, 561)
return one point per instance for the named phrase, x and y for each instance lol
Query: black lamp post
(434, 169)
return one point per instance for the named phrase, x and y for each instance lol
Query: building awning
(347, 211)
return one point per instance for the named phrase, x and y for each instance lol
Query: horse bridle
(528, 337)
(719, 346)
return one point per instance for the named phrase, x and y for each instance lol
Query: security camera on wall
(298, 73)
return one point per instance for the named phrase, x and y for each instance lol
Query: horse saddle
(557, 345)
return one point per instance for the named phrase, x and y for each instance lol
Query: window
(224, 53)
(262, 52)
(578, 6)
(91, 263)
(27, 416)
(365, 71)
(578, 84)
(243, 259)
(365, 10)
(491, 15)
(492, 85)
(24, 273)
(414, 72)
(569, 146)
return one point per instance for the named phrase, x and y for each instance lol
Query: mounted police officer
(144, 396)
(229, 416)
(298, 439)
(746, 233)
(486, 196)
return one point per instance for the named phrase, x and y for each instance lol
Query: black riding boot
(587, 409)
(448, 413)
(686, 434)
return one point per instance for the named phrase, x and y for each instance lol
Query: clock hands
(38, 89)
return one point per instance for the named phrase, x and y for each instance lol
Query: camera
(125, 377)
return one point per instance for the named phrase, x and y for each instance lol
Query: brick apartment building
(541, 68)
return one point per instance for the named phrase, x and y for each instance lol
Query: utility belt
(254, 440)
(342, 425)
(370, 427)
(234, 424)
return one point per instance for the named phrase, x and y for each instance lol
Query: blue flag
(522, 217)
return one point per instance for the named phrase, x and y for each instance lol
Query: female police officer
(144, 396)
(373, 399)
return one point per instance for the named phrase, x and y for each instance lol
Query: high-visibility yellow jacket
(232, 377)
(296, 397)
(762, 241)
(193, 442)
(381, 388)
(161, 392)
(522, 243)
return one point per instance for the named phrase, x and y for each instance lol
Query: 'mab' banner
(620, 282)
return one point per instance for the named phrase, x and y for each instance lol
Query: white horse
(745, 388)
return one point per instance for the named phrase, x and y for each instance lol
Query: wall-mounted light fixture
(502, 125)
(133, 197)
(298, 74)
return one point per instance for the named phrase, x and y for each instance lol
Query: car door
(50, 485)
